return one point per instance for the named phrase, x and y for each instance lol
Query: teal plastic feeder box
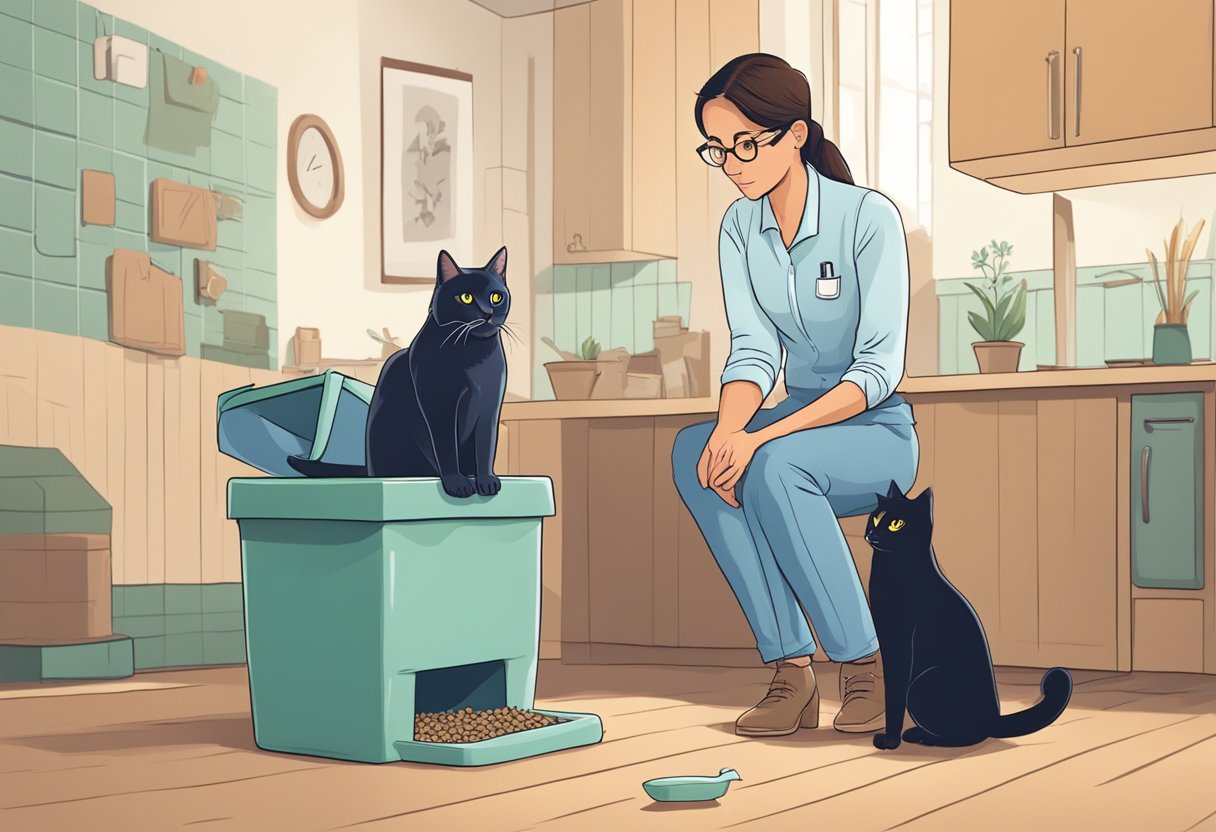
(370, 600)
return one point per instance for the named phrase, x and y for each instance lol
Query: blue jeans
(784, 546)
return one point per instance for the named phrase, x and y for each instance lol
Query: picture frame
(426, 169)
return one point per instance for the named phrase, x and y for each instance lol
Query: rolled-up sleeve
(880, 252)
(755, 351)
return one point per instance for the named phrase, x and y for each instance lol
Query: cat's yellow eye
(878, 517)
(466, 297)
(895, 525)
(496, 297)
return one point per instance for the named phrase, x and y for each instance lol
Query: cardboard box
(55, 586)
(62, 568)
(643, 385)
(306, 344)
(53, 621)
(610, 384)
(684, 359)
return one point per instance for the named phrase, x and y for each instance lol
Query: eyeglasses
(744, 150)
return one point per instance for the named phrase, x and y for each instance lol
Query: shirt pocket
(828, 309)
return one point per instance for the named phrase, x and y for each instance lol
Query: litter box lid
(41, 492)
(381, 500)
(318, 417)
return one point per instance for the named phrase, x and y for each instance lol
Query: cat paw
(457, 485)
(488, 484)
(917, 735)
(886, 742)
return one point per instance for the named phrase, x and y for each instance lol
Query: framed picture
(426, 169)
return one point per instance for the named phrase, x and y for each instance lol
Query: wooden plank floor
(172, 749)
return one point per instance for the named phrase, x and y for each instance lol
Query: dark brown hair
(770, 92)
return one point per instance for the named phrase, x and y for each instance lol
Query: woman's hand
(733, 456)
(705, 466)
(724, 460)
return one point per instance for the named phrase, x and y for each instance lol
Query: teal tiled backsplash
(614, 303)
(57, 120)
(1113, 321)
(174, 625)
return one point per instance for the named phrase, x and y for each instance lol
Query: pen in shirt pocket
(827, 287)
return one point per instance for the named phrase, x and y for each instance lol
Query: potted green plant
(1171, 341)
(575, 377)
(1004, 310)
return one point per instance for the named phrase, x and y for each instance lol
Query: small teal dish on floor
(691, 788)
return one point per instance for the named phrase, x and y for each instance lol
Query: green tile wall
(175, 625)
(1111, 323)
(57, 120)
(614, 303)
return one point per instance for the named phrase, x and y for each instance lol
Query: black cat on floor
(935, 654)
(436, 406)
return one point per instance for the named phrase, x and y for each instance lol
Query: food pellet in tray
(468, 725)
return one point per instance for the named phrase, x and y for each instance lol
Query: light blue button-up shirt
(853, 329)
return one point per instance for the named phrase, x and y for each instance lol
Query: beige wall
(1113, 223)
(324, 58)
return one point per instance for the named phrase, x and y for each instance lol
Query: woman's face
(726, 126)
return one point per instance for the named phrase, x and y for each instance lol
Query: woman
(816, 268)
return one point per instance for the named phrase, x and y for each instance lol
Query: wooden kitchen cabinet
(1005, 93)
(1083, 93)
(1167, 490)
(1137, 68)
(615, 131)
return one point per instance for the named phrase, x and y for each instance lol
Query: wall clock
(314, 166)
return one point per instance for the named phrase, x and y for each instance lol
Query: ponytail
(824, 156)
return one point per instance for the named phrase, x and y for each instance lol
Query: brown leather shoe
(792, 703)
(862, 696)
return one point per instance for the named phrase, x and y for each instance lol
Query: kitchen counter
(911, 385)
(1080, 377)
(1034, 476)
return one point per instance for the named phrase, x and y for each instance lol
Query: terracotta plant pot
(572, 379)
(998, 356)
(1171, 344)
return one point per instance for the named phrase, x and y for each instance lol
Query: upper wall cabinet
(614, 129)
(1049, 95)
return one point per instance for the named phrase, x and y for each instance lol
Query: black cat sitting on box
(436, 406)
(935, 654)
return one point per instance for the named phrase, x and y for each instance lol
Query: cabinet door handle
(1167, 420)
(1053, 93)
(1076, 51)
(1144, 458)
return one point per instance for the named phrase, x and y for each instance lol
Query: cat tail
(1057, 690)
(316, 468)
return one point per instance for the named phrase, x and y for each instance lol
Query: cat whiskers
(456, 333)
(470, 328)
(511, 333)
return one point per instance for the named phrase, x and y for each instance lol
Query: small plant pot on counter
(998, 356)
(573, 380)
(1004, 304)
(1171, 344)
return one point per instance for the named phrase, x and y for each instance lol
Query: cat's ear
(447, 268)
(894, 491)
(498, 264)
(925, 499)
